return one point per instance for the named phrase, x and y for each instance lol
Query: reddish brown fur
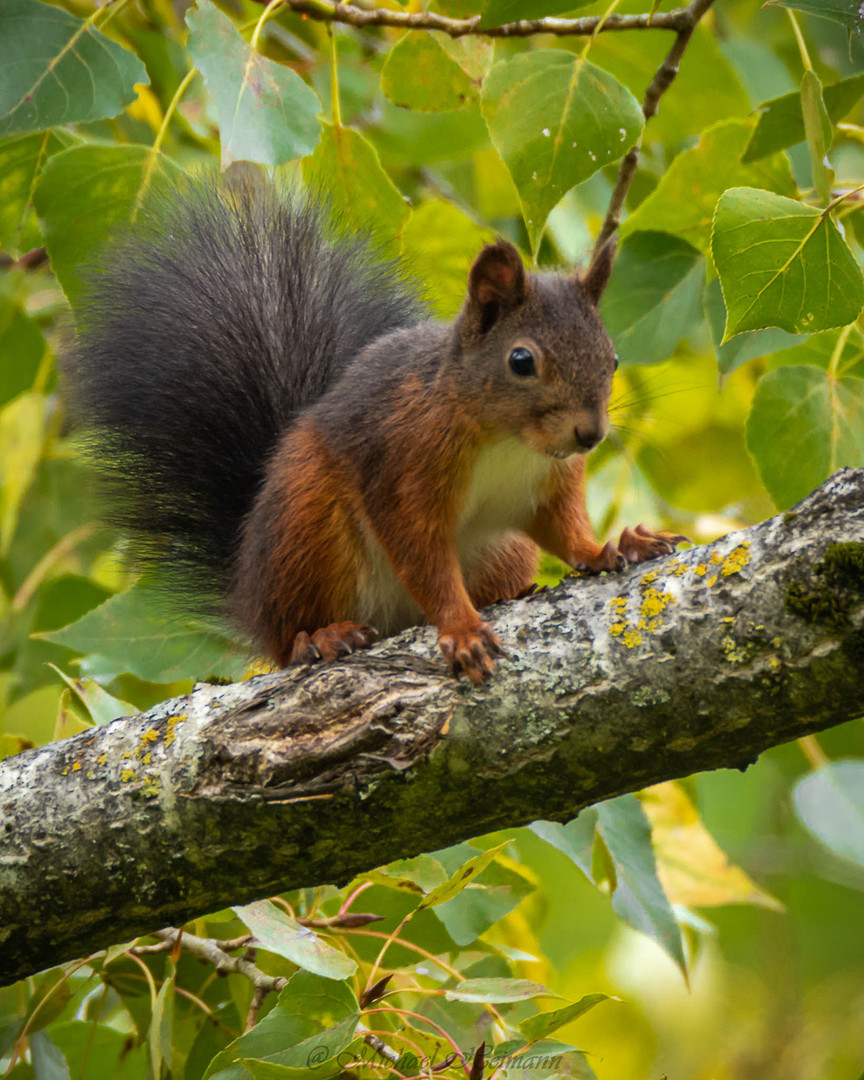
(384, 465)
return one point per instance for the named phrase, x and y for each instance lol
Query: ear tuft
(497, 276)
(597, 275)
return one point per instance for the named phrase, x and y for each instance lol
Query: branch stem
(663, 79)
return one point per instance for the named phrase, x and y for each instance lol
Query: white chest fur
(505, 489)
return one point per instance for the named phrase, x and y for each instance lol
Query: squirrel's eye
(615, 361)
(522, 362)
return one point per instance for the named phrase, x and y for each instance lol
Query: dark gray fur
(204, 329)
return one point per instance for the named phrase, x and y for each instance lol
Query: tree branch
(663, 79)
(353, 15)
(699, 661)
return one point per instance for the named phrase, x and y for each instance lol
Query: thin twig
(214, 952)
(663, 79)
(330, 11)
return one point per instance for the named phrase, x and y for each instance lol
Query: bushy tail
(207, 326)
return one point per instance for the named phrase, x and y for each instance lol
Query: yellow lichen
(173, 721)
(631, 637)
(65, 771)
(654, 602)
(679, 571)
(128, 775)
(146, 759)
(649, 577)
(617, 629)
(76, 765)
(716, 558)
(102, 759)
(701, 569)
(618, 604)
(736, 560)
(712, 580)
(151, 735)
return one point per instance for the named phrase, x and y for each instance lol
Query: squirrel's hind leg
(504, 571)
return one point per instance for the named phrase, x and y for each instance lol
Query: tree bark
(699, 661)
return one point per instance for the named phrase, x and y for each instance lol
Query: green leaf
(160, 1038)
(555, 120)
(846, 12)
(654, 298)
(133, 630)
(638, 897)
(460, 878)
(440, 243)
(575, 839)
(420, 74)
(817, 126)
(48, 1062)
(782, 263)
(543, 1024)
(21, 338)
(102, 707)
(803, 426)
(21, 161)
(313, 1020)
(819, 350)
(706, 88)
(781, 123)
(499, 12)
(266, 112)
(345, 166)
(495, 893)
(534, 1061)
(830, 804)
(496, 991)
(418, 875)
(99, 1051)
(85, 191)
(275, 931)
(22, 424)
(56, 69)
(748, 346)
(683, 202)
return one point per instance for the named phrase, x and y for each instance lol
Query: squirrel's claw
(640, 544)
(608, 558)
(331, 642)
(470, 651)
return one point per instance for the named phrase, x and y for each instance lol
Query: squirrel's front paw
(469, 650)
(640, 544)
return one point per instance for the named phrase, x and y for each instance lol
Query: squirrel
(284, 430)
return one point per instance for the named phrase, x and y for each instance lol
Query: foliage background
(709, 437)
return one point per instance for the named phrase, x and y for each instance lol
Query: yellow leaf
(691, 867)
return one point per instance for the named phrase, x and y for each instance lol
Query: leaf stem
(157, 142)
(335, 106)
(837, 351)
(799, 37)
(259, 26)
(598, 28)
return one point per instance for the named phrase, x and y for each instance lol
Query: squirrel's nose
(587, 435)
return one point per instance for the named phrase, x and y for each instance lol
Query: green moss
(837, 580)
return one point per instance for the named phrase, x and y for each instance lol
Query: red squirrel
(299, 448)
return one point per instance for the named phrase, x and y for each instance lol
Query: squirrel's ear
(497, 276)
(597, 275)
